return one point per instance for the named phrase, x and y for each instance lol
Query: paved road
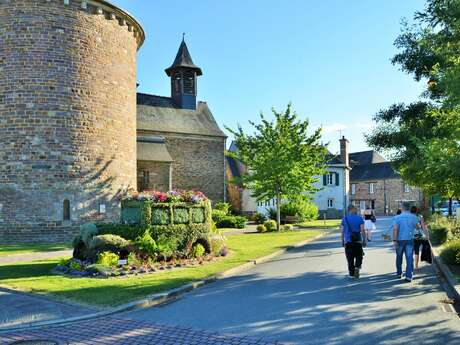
(304, 297)
(19, 309)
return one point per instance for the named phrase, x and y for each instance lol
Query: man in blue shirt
(353, 239)
(404, 227)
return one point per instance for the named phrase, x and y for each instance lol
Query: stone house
(331, 199)
(375, 184)
(179, 144)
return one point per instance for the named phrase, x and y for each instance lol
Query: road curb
(454, 286)
(167, 296)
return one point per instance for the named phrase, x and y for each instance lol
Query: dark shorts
(417, 245)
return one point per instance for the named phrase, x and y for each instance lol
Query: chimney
(344, 151)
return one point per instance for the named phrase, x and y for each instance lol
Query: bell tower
(183, 73)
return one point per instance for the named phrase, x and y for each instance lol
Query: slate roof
(159, 114)
(334, 159)
(233, 165)
(376, 171)
(365, 157)
(183, 60)
(152, 148)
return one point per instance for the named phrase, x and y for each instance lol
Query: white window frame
(371, 188)
(362, 205)
(330, 203)
(330, 179)
(353, 188)
(406, 188)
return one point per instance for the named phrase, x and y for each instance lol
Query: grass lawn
(321, 224)
(35, 276)
(25, 248)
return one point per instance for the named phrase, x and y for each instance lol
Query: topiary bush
(270, 225)
(197, 215)
(261, 228)
(87, 232)
(128, 232)
(451, 252)
(109, 243)
(181, 216)
(161, 216)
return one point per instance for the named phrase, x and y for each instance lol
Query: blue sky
(330, 58)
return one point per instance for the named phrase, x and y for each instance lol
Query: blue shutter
(337, 181)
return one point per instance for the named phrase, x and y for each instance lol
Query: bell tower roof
(183, 60)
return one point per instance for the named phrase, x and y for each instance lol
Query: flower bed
(155, 227)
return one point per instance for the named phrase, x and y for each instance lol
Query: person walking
(369, 226)
(353, 240)
(420, 237)
(404, 227)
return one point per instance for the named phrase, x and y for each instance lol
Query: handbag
(355, 236)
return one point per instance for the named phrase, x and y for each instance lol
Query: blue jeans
(406, 248)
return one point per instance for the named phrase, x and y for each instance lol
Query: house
(375, 184)
(179, 144)
(331, 199)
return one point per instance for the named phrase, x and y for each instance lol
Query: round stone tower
(67, 115)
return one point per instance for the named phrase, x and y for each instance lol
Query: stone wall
(388, 195)
(67, 115)
(199, 162)
(153, 175)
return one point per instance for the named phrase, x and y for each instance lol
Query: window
(371, 188)
(330, 203)
(362, 205)
(353, 188)
(373, 204)
(406, 188)
(189, 81)
(330, 179)
(66, 210)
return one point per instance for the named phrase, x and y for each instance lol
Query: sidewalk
(27, 257)
(20, 309)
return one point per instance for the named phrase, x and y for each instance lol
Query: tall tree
(283, 160)
(423, 138)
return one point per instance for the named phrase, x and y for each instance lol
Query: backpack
(355, 236)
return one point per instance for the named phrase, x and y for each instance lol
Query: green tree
(283, 160)
(423, 138)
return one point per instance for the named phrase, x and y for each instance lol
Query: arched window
(66, 210)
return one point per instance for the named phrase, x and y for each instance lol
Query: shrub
(288, 227)
(198, 251)
(161, 216)
(270, 225)
(180, 216)
(261, 228)
(109, 243)
(457, 258)
(133, 259)
(128, 232)
(147, 245)
(107, 259)
(259, 218)
(301, 209)
(218, 215)
(100, 269)
(439, 234)
(223, 206)
(74, 265)
(451, 252)
(217, 242)
(271, 213)
(234, 222)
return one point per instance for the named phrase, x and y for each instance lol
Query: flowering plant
(190, 196)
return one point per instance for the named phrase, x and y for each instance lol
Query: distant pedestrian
(404, 227)
(369, 226)
(420, 237)
(387, 235)
(353, 240)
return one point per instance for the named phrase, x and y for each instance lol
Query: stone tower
(67, 115)
(184, 73)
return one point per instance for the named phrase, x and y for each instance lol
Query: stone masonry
(67, 115)
(387, 195)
